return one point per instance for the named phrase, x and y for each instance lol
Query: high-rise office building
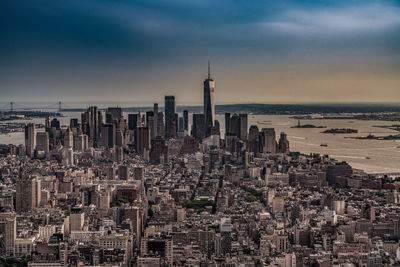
(119, 137)
(54, 133)
(8, 231)
(42, 142)
(73, 123)
(227, 122)
(159, 151)
(114, 114)
(234, 125)
(209, 109)
(186, 120)
(154, 133)
(216, 130)
(170, 122)
(160, 124)
(149, 114)
(268, 140)
(108, 135)
(181, 127)
(27, 191)
(150, 122)
(243, 126)
(174, 126)
(47, 123)
(132, 121)
(142, 139)
(30, 139)
(91, 123)
(283, 145)
(80, 142)
(198, 127)
(76, 219)
(55, 123)
(253, 140)
(68, 139)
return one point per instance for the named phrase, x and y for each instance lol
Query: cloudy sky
(260, 51)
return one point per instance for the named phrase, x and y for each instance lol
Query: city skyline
(317, 51)
(119, 148)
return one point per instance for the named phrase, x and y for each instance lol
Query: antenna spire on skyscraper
(209, 76)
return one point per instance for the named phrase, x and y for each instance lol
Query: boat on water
(367, 158)
(324, 145)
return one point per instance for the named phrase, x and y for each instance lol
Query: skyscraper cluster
(118, 188)
(148, 133)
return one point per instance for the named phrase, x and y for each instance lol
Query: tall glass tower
(209, 109)
(170, 116)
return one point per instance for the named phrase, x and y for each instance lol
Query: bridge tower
(59, 106)
(11, 106)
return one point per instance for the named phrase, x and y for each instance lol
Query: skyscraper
(181, 127)
(209, 110)
(74, 123)
(283, 145)
(160, 124)
(80, 142)
(169, 116)
(243, 126)
(159, 151)
(132, 121)
(234, 125)
(55, 123)
(76, 219)
(150, 117)
(42, 142)
(68, 139)
(27, 194)
(155, 133)
(114, 114)
(268, 140)
(30, 139)
(253, 140)
(186, 120)
(142, 139)
(8, 231)
(149, 114)
(227, 122)
(108, 135)
(91, 122)
(198, 127)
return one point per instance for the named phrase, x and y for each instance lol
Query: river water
(368, 155)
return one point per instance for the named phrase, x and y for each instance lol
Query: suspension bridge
(23, 106)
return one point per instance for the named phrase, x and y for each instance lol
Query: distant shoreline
(257, 109)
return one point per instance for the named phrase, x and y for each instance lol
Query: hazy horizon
(53, 105)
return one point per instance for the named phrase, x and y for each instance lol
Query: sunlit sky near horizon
(260, 51)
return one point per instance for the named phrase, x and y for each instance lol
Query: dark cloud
(62, 48)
